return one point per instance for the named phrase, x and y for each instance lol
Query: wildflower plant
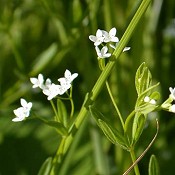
(108, 48)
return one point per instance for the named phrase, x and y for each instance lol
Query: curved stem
(115, 105)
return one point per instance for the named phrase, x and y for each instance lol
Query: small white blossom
(146, 99)
(172, 91)
(66, 81)
(22, 112)
(172, 108)
(52, 91)
(37, 82)
(152, 101)
(110, 37)
(98, 39)
(103, 52)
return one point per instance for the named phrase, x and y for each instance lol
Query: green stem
(133, 157)
(115, 105)
(72, 103)
(55, 111)
(102, 79)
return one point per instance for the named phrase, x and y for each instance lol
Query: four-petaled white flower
(23, 111)
(103, 52)
(68, 77)
(52, 91)
(172, 91)
(110, 37)
(37, 82)
(98, 39)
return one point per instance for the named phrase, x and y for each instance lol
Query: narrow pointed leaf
(138, 126)
(62, 113)
(153, 166)
(143, 79)
(46, 167)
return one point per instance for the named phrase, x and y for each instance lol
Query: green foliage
(153, 166)
(46, 167)
(49, 36)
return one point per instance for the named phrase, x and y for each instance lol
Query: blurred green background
(49, 36)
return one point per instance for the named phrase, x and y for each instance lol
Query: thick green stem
(103, 77)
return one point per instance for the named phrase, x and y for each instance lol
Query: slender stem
(72, 103)
(55, 111)
(133, 157)
(115, 105)
(103, 77)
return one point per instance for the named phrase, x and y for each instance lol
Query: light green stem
(102, 79)
(133, 157)
(55, 111)
(71, 102)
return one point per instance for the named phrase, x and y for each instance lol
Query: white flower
(172, 108)
(124, 50)
(52, 91)
(152, 101)
(68, 76)
(148, 100)
(110, 36)
(37, 82)
(20, 115)
(66, 81)
(103, 52)
(22, 112)
(98, 39)
(172, 91)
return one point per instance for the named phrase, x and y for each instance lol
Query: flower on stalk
(23, 111)
(103, 52)
(110, 37)
(37, 82)
(52, 91)
(98, 39)
(172, 91)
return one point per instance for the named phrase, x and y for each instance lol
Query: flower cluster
(168, 104)
(50, 89)
(103, 37)
(23, 111)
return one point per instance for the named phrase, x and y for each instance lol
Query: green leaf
(143, 79)
(110, 132)
(138, 126)
(46, 167)
(58, 126)
(153, 166)
(62, 113)
(143, 107)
